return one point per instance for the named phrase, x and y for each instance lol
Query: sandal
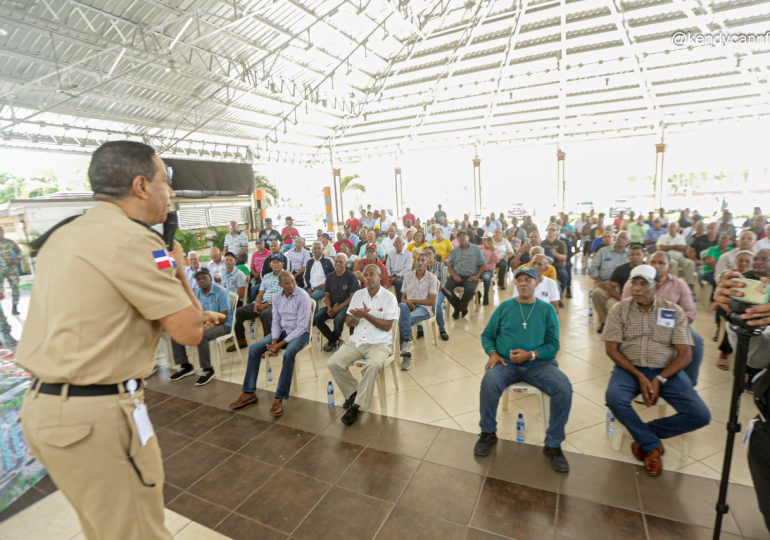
(723, 362)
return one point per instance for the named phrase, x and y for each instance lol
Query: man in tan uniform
(105, 290)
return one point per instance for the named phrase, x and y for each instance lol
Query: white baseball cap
(644, 271)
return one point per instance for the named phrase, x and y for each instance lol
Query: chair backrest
(233, 302)
(395, 336)
(312, 311)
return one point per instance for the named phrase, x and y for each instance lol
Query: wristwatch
(662, 379)
(533, 355)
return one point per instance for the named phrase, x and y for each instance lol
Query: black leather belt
(90, 390)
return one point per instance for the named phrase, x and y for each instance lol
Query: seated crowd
(644, 273)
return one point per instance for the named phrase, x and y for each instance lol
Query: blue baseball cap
(528, 270)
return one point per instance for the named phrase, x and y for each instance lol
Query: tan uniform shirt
(96, 301)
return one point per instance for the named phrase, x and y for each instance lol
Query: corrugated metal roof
(292, 79)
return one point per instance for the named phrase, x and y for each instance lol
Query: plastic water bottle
(610, 422)
(269, 373)
(330, 394)
(590, 308)
(520, 428)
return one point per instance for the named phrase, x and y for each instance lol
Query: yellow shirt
(412, 248)
(98, 296)
(550, 272)
(443, 248)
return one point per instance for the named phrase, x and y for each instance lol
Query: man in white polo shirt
(547, 289)
(675, 246)
(372, 312)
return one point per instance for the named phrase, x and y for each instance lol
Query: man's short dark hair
(462, 233)
(115, 164)
(230, 254)
(636, 246)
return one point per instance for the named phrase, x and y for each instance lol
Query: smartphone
(754, 292)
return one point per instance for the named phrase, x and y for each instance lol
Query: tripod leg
(733, 425)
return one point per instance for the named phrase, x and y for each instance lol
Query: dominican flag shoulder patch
(163, 260)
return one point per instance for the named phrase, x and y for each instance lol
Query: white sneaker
(406, 348)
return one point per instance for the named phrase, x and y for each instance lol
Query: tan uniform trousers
(375, 358)
(92, 452)
(602, 303)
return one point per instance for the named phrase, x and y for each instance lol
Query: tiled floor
(413, 475)
(443, 390)
(245, 475)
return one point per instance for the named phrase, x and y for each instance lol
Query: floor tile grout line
(641, 505)
(478, 498)
(406, 486)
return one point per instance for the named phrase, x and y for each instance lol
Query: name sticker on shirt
(666, 317)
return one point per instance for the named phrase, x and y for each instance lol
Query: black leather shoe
(350, 416)
(350, 400)
(484, 444)
(558, 460)
(444, 336)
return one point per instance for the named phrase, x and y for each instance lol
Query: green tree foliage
(10, 187)
(348, 183)
(190, 240)
(271, 191)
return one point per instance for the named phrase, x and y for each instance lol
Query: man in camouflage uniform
(5, 328)
(9, 253)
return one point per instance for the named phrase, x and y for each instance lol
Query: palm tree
(271, 192)
(347, 184)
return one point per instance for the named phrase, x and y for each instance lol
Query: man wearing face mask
(83, 416)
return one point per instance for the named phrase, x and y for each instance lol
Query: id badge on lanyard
(139, 415)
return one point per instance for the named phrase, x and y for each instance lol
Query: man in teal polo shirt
(522, 339)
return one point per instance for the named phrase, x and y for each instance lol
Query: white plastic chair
(295, 373)
(219, 343)
(433, 330)
(382, 392)
(545, 400)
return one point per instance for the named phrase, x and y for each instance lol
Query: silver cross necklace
(524, 323)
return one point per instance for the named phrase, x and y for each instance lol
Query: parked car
(619, 205)
(518, 211)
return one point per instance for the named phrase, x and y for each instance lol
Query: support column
(660, 151)
(561, 181)
(399, 195)
(339, 210)
(328, 208)
(259, 211)
(477, 187)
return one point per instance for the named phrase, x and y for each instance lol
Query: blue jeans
(543, 375)
(486, 279)
(693, 367)
(287, 370)
(317, 295)
(440, 311)
(409, 318)
(691, 412)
